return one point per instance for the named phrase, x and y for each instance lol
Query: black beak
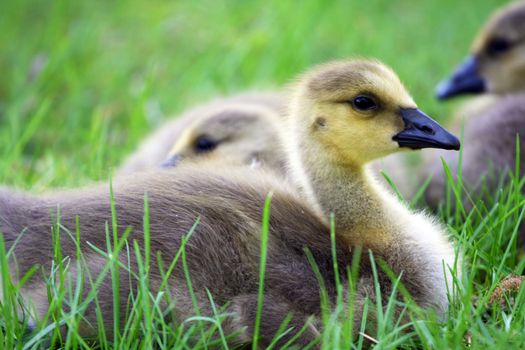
(421, 131)
(171, 161)
(465, 80)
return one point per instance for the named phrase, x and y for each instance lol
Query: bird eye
(364, 103)
(498, 46)
(205, 144)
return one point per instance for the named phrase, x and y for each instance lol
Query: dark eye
(204, 144)
(498, 46)
(364, 103)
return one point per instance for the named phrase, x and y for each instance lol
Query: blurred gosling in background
(246, 115)
(496, 69)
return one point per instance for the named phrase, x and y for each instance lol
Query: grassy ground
(83, 81)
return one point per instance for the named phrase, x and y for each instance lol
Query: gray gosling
(247, 135)
(342, 115)
(497, 61)
(256, 106)
(495, 69)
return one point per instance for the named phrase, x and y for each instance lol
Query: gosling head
(357, 111)
(497, 60)
(238, 134)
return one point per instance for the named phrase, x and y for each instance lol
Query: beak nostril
(427, 129)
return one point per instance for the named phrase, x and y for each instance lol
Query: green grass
(83, 81)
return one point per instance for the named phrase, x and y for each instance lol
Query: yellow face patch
(351, 135)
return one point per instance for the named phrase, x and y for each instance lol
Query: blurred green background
(83, 81)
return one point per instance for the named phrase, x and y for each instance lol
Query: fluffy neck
(364, 214)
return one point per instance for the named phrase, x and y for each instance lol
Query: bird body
(495, 70)
(489, 152)
(342, 116)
